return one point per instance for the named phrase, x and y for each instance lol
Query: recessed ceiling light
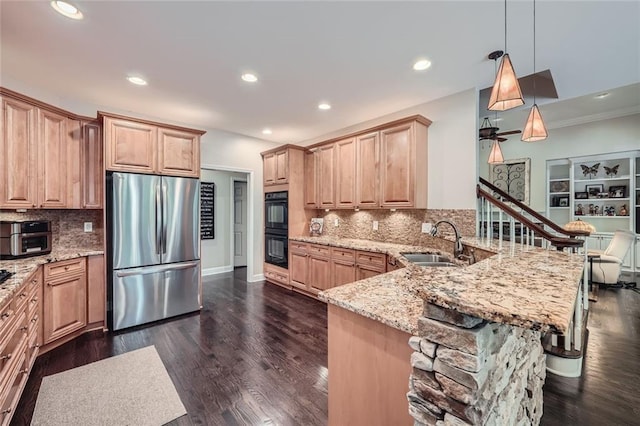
(422, 65)
(267, 132)
(66, 9)
(249, 78)
(137, 80)
(324, 106)
(602, 95)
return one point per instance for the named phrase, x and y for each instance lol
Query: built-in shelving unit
(603, 190)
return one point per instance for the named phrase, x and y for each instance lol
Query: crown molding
(606, 115)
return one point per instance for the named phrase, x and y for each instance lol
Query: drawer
(32, 350)
(35, 278)
(318, 250)
(7, 319)
(14, 347)
(20, 299)
(65, 267)
(275, 274)
(12, 387)
(33, 302)
(374, 259)
(297, 247)
(342, 254)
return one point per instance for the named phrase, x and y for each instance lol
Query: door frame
(251, 230)
(231, 213)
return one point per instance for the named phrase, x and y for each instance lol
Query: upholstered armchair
(606, 268)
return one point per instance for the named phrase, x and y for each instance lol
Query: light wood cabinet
(140, 146)
(343, 266)
(403, 172)
(18, 155)
(310, 179)
(45, 161)
(96, 290)
(370, 264)
(368, 170)
(298, 265)
(345, 173)
(326, 176)
(65, 298)
(52, 159)
(319, 272)
(276, 167)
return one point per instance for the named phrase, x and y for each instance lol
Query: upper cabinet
(276, 167)
(310, 179)
(139, 146)
(383, 167)
(49, 158)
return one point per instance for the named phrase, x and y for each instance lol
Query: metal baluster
(577, 320)
(500, 230)
(568, 337)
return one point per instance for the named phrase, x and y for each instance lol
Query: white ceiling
(356, 55)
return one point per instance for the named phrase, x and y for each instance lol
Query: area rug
(129, 389)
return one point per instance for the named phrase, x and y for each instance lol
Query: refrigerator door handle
(158, 220)
(155, 269)
(164, 217)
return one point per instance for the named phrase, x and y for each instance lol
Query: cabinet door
(96, 290)
(75, 165)
(345, 173)
(368, 171)
(326, 176)
(178, 153)
(269, 169)
(398, 166)
(52, 159)
(65, 306)
(93, 169)
(18, 155)
(130, 146)
(366, 271)
(342, 272)
(310, 180)
(298, 270)
(319, 274)
(282, 167)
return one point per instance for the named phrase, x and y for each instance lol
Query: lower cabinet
(343, 266)
(298, 265)
(65, 298)
(319, 273)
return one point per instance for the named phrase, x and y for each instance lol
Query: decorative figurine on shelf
(591, 210)
(596, 211)
(609, 211)
(623, 210)
(579, 211)
(590, 171)
(611, 171)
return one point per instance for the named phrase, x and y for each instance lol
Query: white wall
(215, 253)
(452, 147)
(598, 137)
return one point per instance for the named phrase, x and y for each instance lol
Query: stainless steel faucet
(457, 248)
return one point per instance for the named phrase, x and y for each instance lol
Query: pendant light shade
(534, 129)
(506, 93)
(495, 156)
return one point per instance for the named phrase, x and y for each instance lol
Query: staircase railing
(564, 352)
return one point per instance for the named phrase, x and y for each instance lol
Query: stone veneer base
(471, 372)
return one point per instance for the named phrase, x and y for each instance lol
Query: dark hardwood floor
(257, 354)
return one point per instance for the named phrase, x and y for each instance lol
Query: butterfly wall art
(590, 171)
(611, 171)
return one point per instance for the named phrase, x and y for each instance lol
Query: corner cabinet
(139, 146)
(603, 190)
(49, 158)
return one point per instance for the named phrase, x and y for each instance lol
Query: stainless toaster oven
(24, 238)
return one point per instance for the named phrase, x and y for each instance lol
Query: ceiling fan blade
(499, 139)
(510, 132)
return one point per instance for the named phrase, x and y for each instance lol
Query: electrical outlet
(426, 227)
(335, 222)
(375, 225)
(88, 227)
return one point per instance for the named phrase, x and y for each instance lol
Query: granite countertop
(22, 268)
(520, 285)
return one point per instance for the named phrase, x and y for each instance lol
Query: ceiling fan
(490, 132)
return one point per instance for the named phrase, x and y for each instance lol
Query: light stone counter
(22, 268)
(524, 286)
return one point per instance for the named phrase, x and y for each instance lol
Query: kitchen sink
(427, 259)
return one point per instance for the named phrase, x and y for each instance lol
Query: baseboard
(217, 270)
(256, 278)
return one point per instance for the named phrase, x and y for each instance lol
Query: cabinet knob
(7, 411)
(24, 371)
(3, 357)
(34, 320)
(25, 328)
(66, 268)
(5, 315)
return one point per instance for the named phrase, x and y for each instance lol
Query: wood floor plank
(257, 355)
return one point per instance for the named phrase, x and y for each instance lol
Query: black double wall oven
(276, 233)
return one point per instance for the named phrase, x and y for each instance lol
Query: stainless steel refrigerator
(154, 248)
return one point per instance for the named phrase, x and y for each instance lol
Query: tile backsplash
(67, 226)
(401, 226)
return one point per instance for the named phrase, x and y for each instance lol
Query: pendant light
(534, 129)
(506, 93)
(495, 156)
